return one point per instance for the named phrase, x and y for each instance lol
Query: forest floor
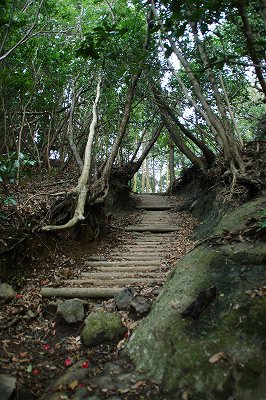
(37, 346)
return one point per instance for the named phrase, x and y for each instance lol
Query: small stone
(124, 298)
(6, 291)
(100, 327)
(140, 305)
(71, 310)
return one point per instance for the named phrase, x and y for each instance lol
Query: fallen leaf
(217, 357)
(18, 296)
(73, 385)
(24, 354)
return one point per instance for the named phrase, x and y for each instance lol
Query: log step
(131, 257)
(154, 208)
(150, 228)
(120, 274)
(95, 264)
(126, 269)
(100, 292)
(112, 282)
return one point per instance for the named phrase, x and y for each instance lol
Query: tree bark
(82, 186)
(225, 139)
(248, 33)
(180, 143)
(100, 188)
(208, 154)
(171, 162)
(136, 166)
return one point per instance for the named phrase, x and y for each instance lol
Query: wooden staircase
(140, 259)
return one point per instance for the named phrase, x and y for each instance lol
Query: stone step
(113, 282)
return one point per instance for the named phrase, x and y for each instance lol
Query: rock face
(176, 348)
(6, 291)
(71, 310)
(102, 327)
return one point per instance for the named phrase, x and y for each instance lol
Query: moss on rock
(102, 327)
(239, 217)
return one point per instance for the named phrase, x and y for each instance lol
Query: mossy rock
(102, 327)
(239, 217)
(176, 351)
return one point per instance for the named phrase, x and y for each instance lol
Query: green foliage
(262, 220)
(9, 166)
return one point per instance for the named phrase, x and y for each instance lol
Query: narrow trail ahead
(139, 259)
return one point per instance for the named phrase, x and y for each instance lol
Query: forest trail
(141, 258)
(39, 345)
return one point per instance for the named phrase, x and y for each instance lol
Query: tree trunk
(136, 166)
(229, 145)
(248, 33)
(100, 188)
(82, 186)
(171, 162)
(208, 154)
(181, 144)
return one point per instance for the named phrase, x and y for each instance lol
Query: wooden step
(95, 264)
(113, 282)
(154, 207)
(151, 228)
(127, 269)
(136, 257)
(70, 292)
(121, 274)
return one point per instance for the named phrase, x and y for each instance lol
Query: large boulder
(218, 351)
(100, 327)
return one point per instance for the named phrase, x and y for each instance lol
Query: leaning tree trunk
(181, 144)
(100, 188)
(229, 145)
(82, 186)
(171, 162)
(134, 167)
(248, 32)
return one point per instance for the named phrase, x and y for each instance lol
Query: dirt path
(36, 345)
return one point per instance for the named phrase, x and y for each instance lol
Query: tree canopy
(178, 83)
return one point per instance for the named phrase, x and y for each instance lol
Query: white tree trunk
(82, 186)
